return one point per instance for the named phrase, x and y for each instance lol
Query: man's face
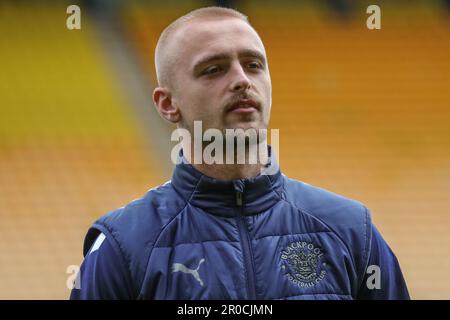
(221, 77)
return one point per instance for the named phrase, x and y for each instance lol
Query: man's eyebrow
(210, 58)
(253, 54)
(224, 56)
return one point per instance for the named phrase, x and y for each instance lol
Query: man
(231, 231)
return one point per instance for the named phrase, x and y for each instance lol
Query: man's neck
(229, 171)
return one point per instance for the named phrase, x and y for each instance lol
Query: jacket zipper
(247, 249)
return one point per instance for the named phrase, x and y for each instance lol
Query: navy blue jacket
(267, 237)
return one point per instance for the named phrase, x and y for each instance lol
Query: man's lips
(244, 106)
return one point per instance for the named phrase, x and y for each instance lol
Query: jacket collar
(220, 197)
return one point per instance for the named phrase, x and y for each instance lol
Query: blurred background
(363, 113)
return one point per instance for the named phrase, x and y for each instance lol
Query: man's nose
(241, 81)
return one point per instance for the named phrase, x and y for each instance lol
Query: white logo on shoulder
(179, 267)
(98, 243)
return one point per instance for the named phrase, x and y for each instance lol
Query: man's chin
(246, 126)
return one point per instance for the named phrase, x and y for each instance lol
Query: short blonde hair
(163, 60)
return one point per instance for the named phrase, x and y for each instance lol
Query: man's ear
(163, 103)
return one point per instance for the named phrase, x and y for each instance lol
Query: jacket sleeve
(103, 274)
(383, 279)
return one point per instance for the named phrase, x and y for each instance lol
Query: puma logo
(179, 267)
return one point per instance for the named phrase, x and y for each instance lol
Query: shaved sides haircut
(164, 58)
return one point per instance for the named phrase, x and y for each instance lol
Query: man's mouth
(244, 106)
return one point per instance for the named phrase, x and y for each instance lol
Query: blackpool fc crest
(302, 263)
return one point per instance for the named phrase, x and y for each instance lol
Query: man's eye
(254, 65)
(211, 70)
